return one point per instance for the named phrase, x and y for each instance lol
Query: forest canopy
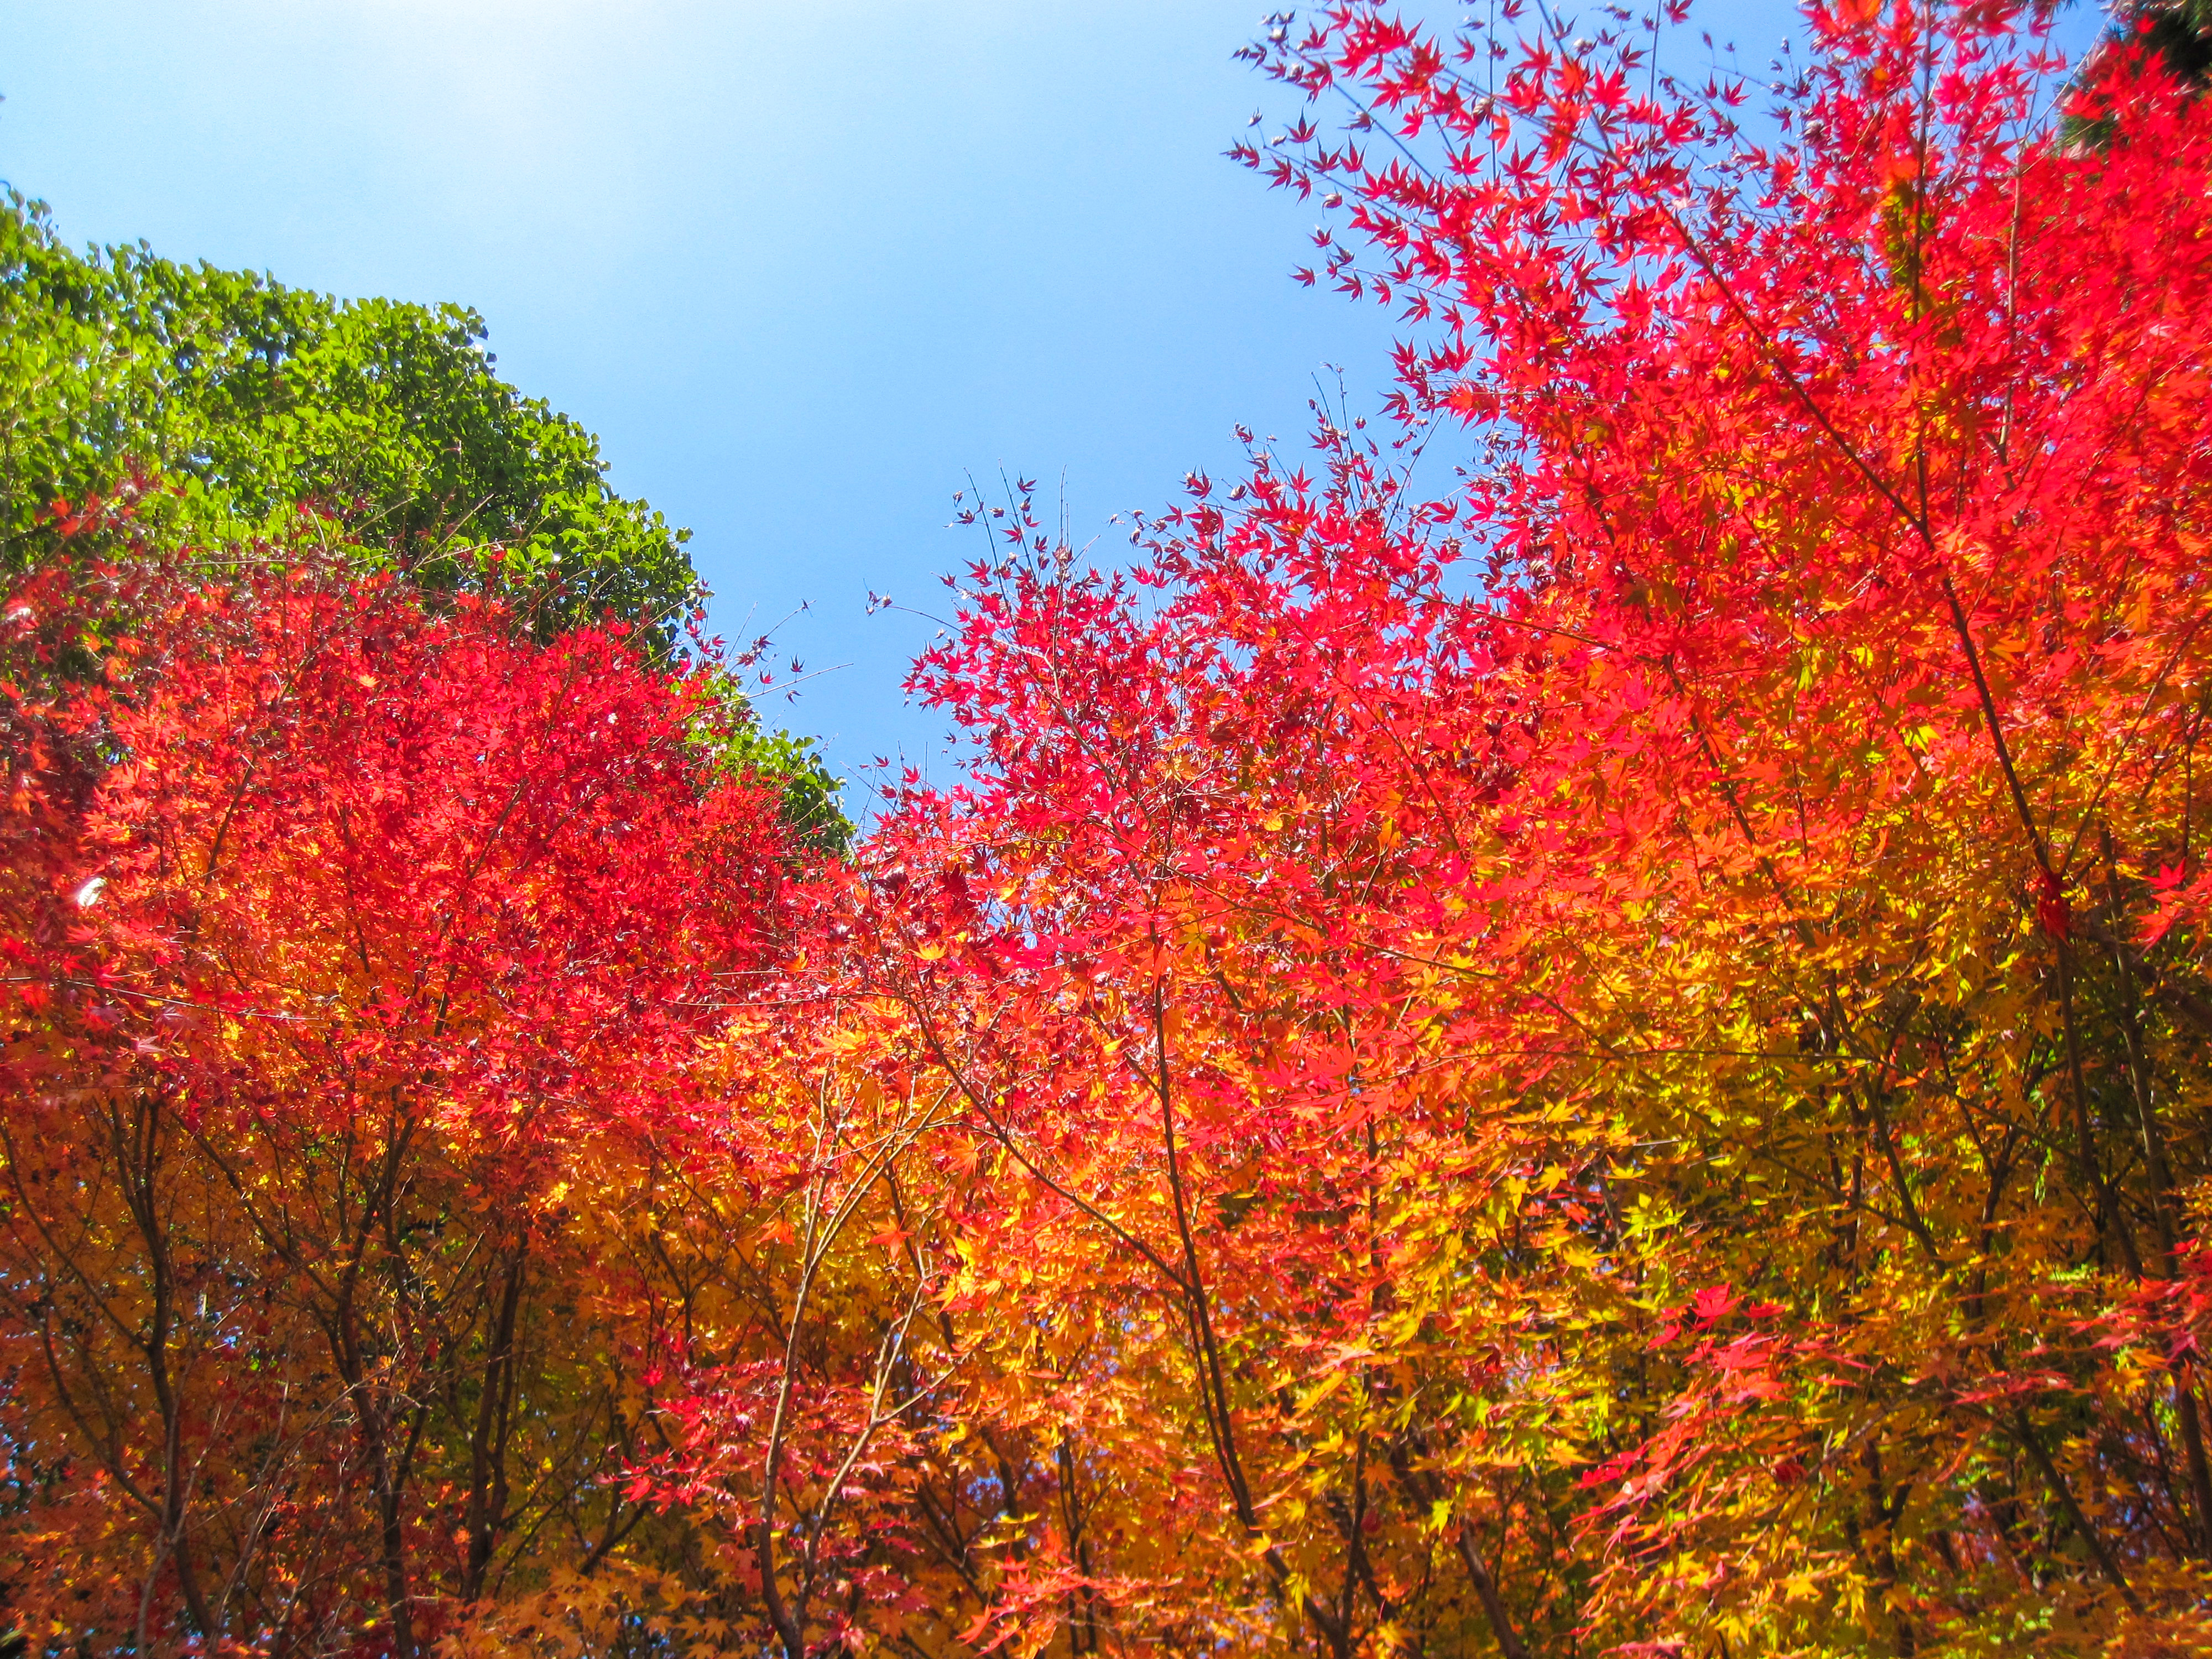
(1600, 1048)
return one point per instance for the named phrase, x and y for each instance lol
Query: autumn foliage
(1576, 1025)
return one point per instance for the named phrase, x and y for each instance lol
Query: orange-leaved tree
(357, 959)
(1614, 1058)
(1610, 1057)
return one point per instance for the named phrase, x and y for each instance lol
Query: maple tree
(338, 934)
(1612, 1060)
(1605, 1053)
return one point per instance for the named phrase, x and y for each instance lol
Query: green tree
(253, 398)
(250, 401)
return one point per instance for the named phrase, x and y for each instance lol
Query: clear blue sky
(804, 266)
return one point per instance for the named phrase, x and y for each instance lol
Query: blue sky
(804, 267)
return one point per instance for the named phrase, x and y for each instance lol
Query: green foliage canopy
(254, 398)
